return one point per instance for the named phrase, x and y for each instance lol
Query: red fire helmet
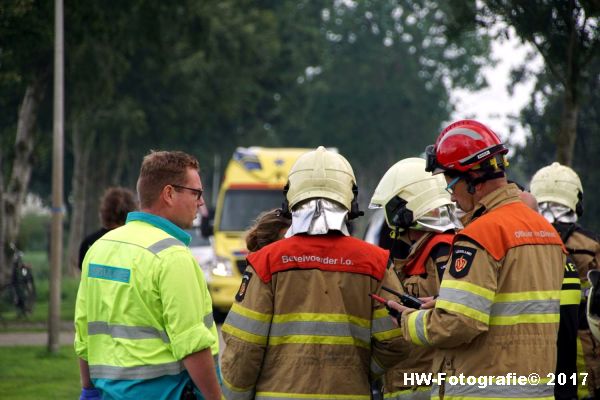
(465, 145)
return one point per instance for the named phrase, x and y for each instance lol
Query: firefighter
(559, 193)
(303, 325)
(570, 294)
(419, 211)
(498, 309)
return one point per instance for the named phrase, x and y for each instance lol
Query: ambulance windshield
(242, 206)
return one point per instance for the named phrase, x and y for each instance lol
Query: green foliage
(26, 40)
(381, 88)
(566, 35)
(542, 116)
(31, 373)
(371, 78)
(33, 235)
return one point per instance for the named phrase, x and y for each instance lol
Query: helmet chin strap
(472, 182)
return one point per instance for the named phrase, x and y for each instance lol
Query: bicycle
(21, 288)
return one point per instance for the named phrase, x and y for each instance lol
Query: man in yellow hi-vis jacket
(497, 314)
(143, 317)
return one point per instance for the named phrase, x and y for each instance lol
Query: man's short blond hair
(162, 168)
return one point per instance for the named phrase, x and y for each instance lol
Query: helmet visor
(375, 206)
(439, 219)
(554, 212)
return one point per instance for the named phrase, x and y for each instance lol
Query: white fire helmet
(321, 174)
(558, 183)
(412, 197)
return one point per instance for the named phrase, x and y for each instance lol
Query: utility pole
(216, 178)
(57, 182)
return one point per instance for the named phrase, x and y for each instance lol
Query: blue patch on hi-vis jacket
(109, 273)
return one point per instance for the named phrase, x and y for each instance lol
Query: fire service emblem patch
(462, 259)
(244, 286)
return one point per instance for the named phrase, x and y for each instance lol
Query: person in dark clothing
(115, 204)
(559, 192)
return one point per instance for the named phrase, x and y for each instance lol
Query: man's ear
(167, 194)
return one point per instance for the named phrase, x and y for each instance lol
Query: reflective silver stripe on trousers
(137, 372)
(465, 298)
(526, 307)
(230, 394)
(420, 327)
(314, 328)
(163, 244)
(247, 325)
(499, 391)
(209, 320)
(381, 325)
(126, 332)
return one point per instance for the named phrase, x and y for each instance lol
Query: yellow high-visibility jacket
(142, 306)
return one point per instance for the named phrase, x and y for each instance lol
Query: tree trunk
(81, 155)
(121, 160)
(3, 255)
(15, 191)
(565, 141)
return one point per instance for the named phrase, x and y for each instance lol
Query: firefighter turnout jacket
(142, 306)
(584, 250)
(303, 325)
(498, 309)
(420, 274)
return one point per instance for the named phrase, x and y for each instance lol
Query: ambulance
(253, 183)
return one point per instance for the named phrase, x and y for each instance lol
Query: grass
(41, 273)
(31, 373)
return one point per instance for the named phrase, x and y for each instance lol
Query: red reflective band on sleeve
(323, 252)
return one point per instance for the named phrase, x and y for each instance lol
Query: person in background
(303, 324)
(269, 227)
(499, 303)
(115, 204)
(143, 316)
(421, 214)
(566, 358)
(559, 193)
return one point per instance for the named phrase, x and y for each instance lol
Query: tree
(26, 48)
(542, 114)
(380, 90)
(565, 33)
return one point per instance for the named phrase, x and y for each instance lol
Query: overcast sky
(493, 105)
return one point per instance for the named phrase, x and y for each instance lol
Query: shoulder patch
(462, 259)
(243, 286)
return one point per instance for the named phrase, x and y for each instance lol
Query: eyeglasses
(450, 187)
(198, 192)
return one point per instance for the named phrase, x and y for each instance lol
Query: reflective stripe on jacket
(142, 306)
(498, 309)
(420, 278)
(309, 331)
(584, 249)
